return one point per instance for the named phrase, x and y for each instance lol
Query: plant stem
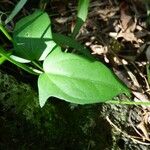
(148, 73)
(5, 32)
(23, 66)
(37, 65)
(127, 102)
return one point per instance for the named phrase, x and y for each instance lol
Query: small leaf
(33, 37)
(63, 40)
(81, 16)
(77, 79)
(83, 9)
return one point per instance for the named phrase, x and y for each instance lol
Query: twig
(125, 134)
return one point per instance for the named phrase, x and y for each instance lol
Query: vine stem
(127, 102)
(37, 65)
(23, 66)
(5, 33)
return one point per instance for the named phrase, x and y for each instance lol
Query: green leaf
(63, 40)
(17, 8)
(33, 37)
(77, 79)
(81, 15)
(19, 59)
(83, 9)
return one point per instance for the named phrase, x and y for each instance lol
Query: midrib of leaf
(65, 59)
(83, 79)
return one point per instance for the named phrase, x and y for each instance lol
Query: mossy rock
(58, 125)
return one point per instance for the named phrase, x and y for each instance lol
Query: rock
(60, 125)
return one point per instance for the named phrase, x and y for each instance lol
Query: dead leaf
(124, 17)
(127, 26)
(128, 36)
(99, 49)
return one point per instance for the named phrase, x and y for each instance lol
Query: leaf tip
(42, 102)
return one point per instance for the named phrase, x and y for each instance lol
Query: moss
(58, 125)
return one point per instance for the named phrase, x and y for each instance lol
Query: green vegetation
(71, 77)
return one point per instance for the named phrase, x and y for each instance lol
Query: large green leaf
(77, 79)
(33, 37)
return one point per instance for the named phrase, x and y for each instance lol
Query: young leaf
(33, 37)
(77, 79)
